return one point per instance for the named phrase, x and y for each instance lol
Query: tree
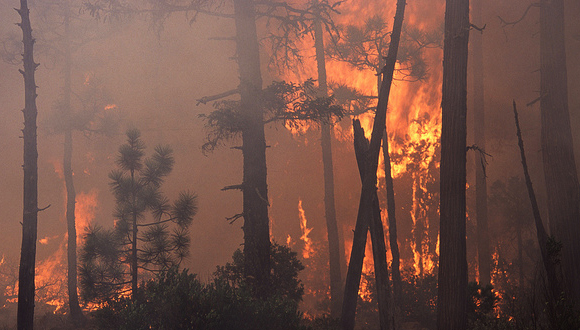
(26, 275)
(561, 177)
(451, 306)
(335, 252)
(108, 256)
(368, 190)
(483, 250)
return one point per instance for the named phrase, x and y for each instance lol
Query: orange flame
(307, 251)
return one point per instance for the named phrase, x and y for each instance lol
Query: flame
(85, 210)
(45, 240)
(307, 251)
(110, 107)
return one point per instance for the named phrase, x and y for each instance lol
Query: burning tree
(111, 259)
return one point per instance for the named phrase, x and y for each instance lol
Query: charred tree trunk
(255, 188)
(375, 225)
(26, 275)
(391, 210)
(73, 298)
(483, 250)
(452, 302)
(370, 175)
(329, 208)
(560, 174)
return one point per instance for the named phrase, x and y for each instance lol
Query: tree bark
(73, 298)
(563, 189)
(370, 174)
(255, 188)
(452, 302)
(26, 275)
(329, 208)
(483, 250)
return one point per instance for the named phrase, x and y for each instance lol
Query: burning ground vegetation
(169, 70)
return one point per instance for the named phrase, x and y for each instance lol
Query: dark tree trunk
(329, 208)
(373, 222)
(483, 251)
(560, 174)
(255, 188)
(73, 298)
(370, 175)
(391, 210)
(26, 275)
(134, 259)
(452, 302)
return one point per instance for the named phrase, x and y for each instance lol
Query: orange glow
(86, 206)
(110, 107)
(307, 251)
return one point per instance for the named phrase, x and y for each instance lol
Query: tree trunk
(255, 188)
(330, 211)
(483, 251)
(452, 302)
(73, 298)
(391, 210)
(560, 174)
(370, 174)
(134, 232)
(26, 275)
(375, 225)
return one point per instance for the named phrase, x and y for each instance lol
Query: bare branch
(216, 97)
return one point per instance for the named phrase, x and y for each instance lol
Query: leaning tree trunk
(483, 250)
(25, 315)
(329, 208)
(452, 297)
(372, 219)
(370, 177)
(391, 212)
(254, 187)
(73, 298)
(560, 174)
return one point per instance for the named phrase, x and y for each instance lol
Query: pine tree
(150, 233)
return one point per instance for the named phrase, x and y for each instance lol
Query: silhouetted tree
(452, 301)
(26, 275)
(164, 239)
(561, 177)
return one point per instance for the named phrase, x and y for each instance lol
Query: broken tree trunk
(370, 175)
(372, 221)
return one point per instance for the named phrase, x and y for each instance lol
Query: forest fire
(254, 99)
